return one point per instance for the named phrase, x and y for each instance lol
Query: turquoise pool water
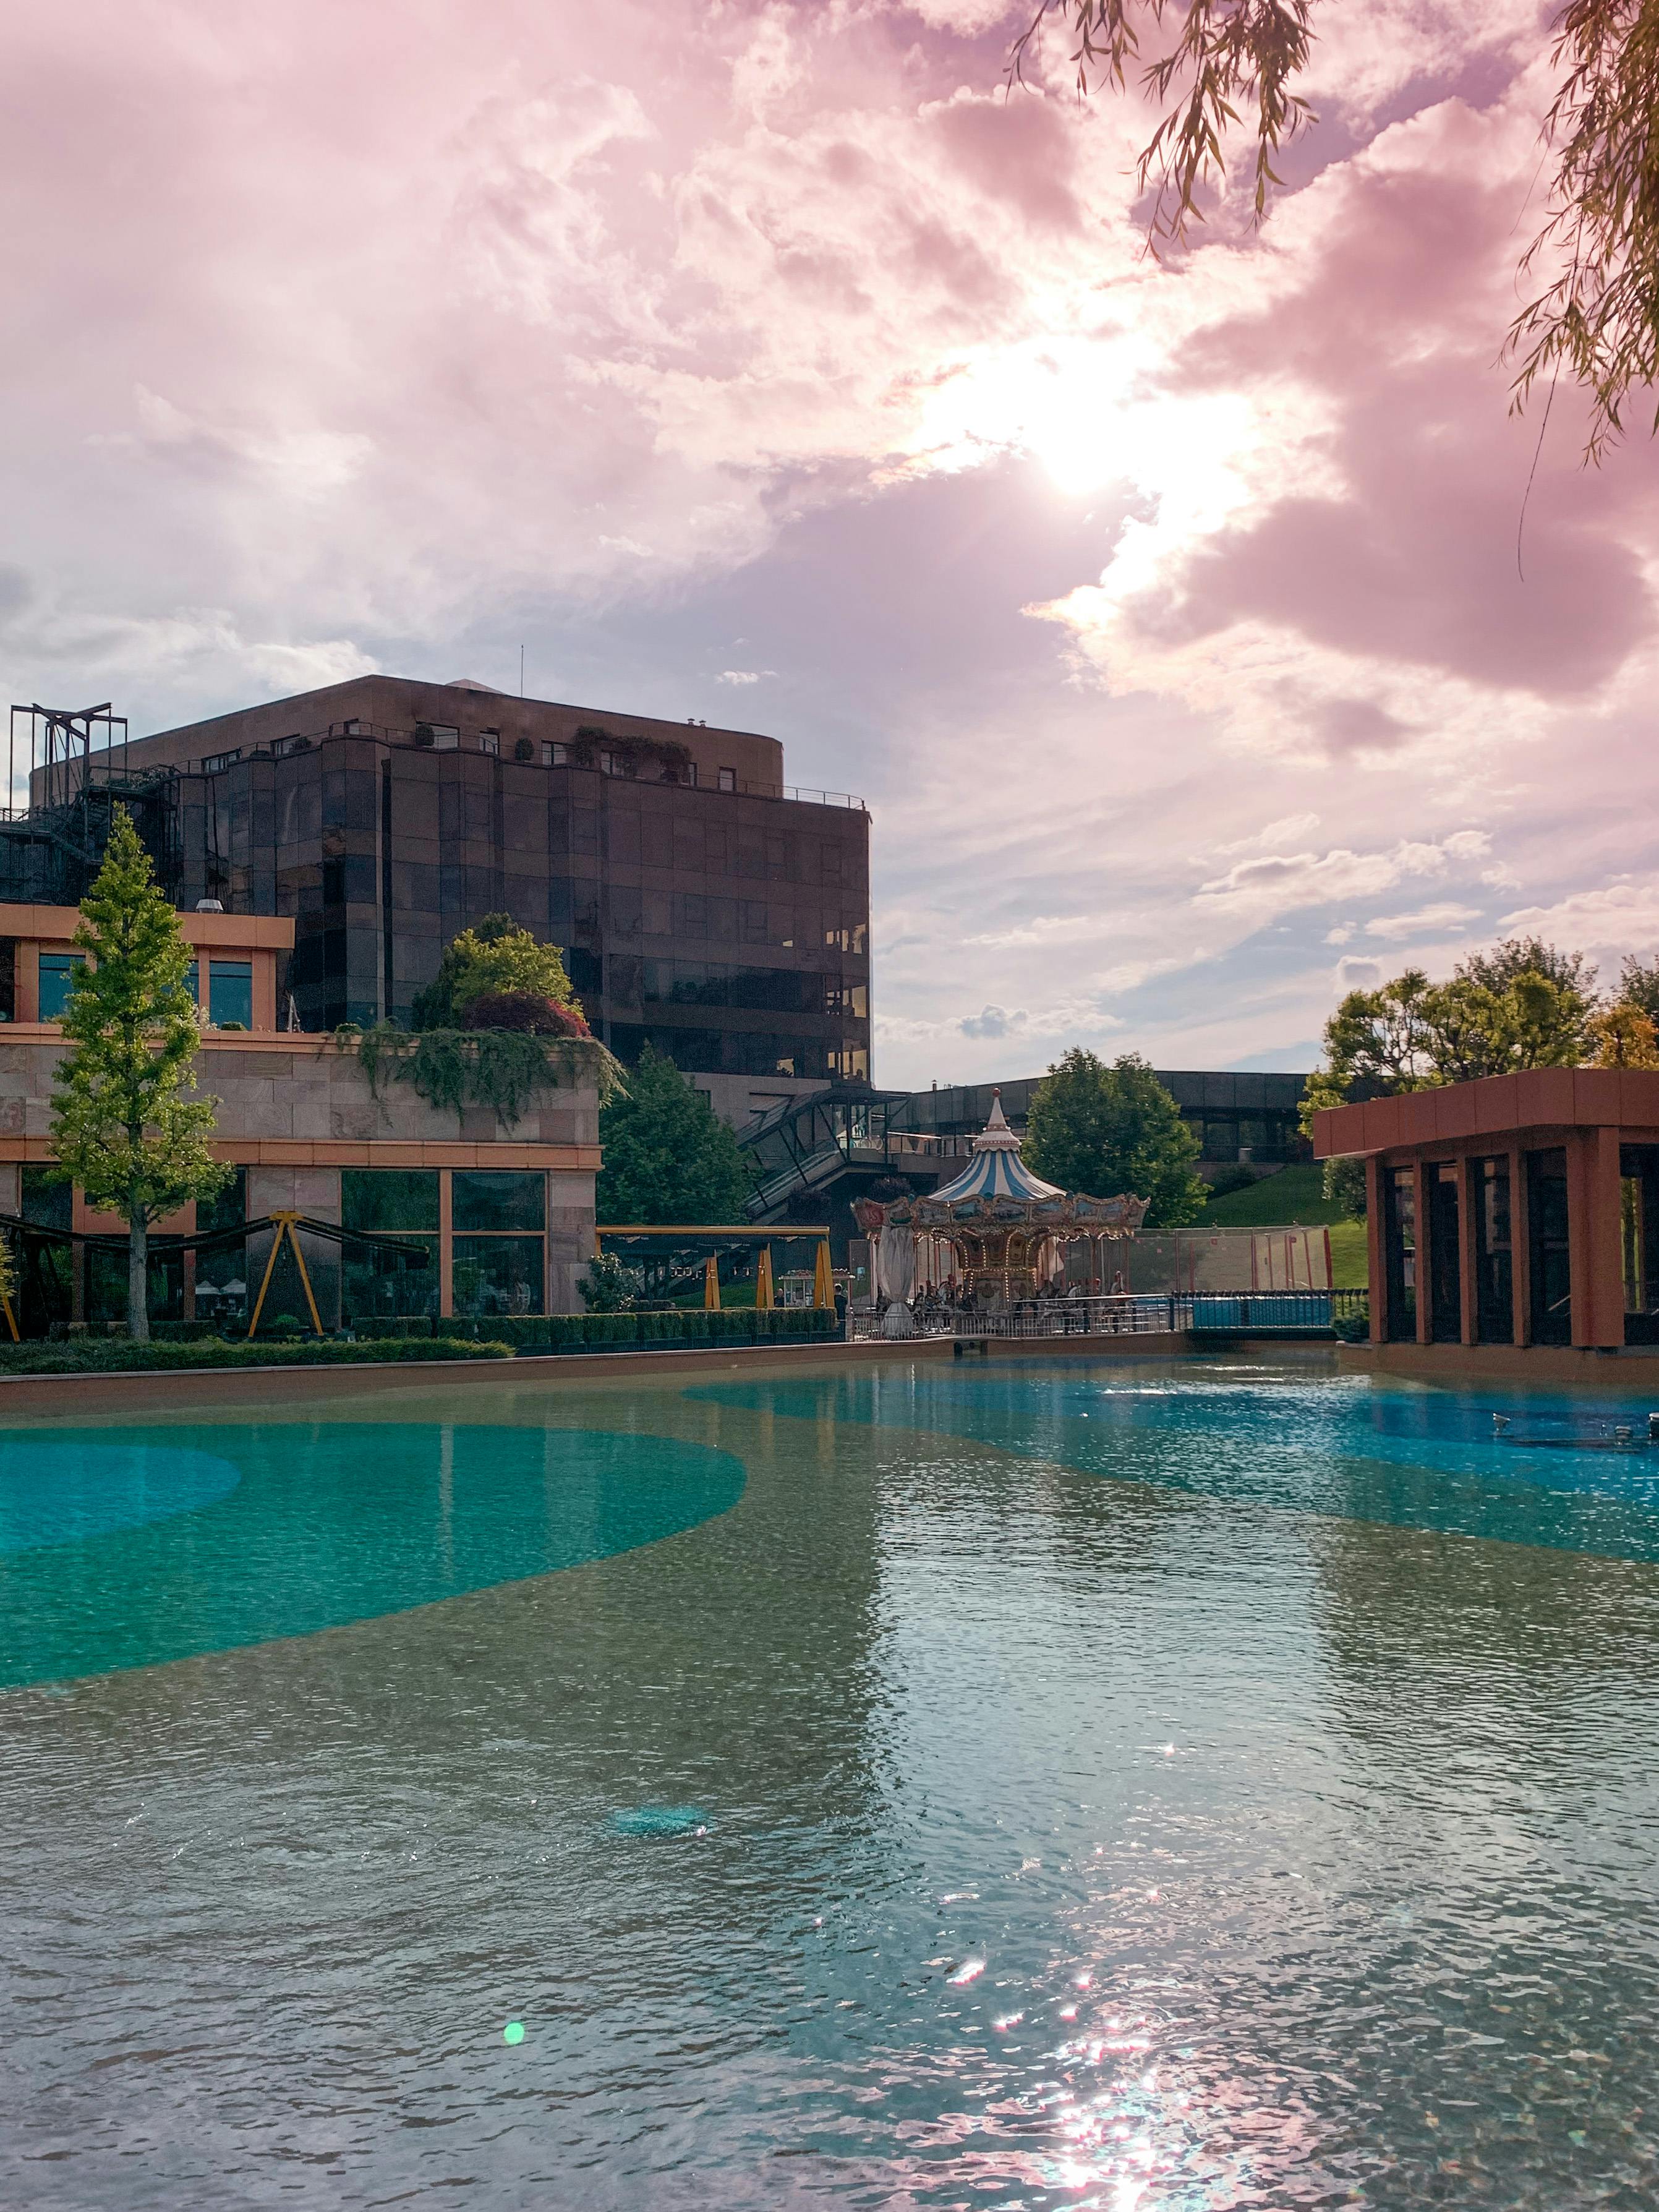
(1160, 1789)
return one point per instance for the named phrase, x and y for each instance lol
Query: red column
(1376, 1268)
(1594, 1229)
(1467, 1287)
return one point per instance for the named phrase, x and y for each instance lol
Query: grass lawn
(1295, 1198)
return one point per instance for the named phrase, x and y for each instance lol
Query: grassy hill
(1295, 1198)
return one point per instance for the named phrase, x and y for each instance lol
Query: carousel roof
(996, 1170)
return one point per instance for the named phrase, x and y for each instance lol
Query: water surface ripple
(974, 1812)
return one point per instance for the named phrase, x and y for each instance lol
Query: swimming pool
(1153, 1788)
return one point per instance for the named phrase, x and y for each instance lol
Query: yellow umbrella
(711, 1285)
(764, 1300)
(823, 1283)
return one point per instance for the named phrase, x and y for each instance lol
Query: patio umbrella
(763, 1298)
(711, 1285)
(823, 1283)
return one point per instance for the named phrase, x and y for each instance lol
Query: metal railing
(1240, 1313)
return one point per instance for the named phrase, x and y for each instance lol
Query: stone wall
(305, 1092)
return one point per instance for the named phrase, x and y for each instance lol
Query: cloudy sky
(768, 364)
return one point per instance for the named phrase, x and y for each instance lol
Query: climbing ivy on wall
(502, 1069)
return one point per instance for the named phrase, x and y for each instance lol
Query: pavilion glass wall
(1399, 1250)
(1549, 1275)
(1445, 1255)
(1638, 1226)
(1494, 1257)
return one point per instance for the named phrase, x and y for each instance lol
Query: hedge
(119, 1355)
(594, 1332)
(181, 1343)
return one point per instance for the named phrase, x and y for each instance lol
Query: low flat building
(1513, 1222)
(1248, 1116)
(501, 1217)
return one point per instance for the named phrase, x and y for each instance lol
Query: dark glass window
(230, 992)
(728, 777)
(498, 1275)
(226, 1209)
(389, 1200)
(58, 971)
(1551, 1317)
(499, 1198)
(1639, 1225)
(46, 1200)
(221, 1270)
(1399, 1243)
(1445, 1255)
(379, 1283)
(376, 1283)
(1494, 1261)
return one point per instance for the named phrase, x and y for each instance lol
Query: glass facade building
(702, 906)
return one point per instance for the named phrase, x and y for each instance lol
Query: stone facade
(295, 1111)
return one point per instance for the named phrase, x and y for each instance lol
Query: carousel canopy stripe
(1065, 1212)
(995, 1174)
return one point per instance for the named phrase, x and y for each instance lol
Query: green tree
(1638, 985)
(498, 956)
(1499, 966)
(1218, 64)
(124, 1124)
(668, 1157)
(1624, 1035)
(1107, 1130)
(1523, 1003)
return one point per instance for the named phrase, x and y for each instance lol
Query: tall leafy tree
(668, 1157)
(1501, 964)
(1623, 1035)
(497, 959)
(126, 1125)
(1114, 1129)
(1522, 1004)
(1638, 985)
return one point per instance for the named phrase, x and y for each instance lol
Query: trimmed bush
(114, 1357)
(532, 1334)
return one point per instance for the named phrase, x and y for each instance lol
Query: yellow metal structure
(285, 1228)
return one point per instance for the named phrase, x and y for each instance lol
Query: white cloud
(993, 1021)
(1281, 832)
(741, 675)
(1619, 917)
(1426, 921)
(1279, 883)
(1355, 974)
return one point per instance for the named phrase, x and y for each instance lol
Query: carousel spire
(996, 1136)
(996, 1170)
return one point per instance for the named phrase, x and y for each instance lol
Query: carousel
(995, 1235)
